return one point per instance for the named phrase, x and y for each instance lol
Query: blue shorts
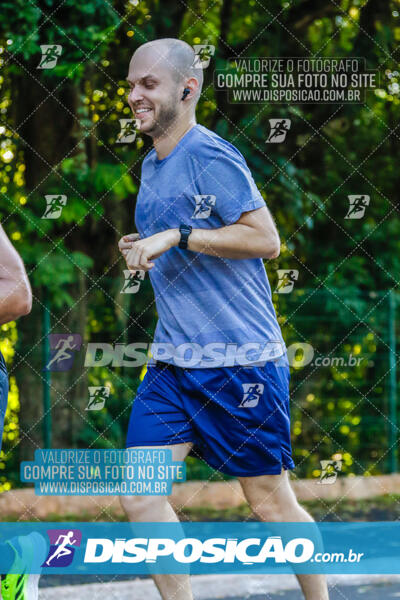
(238, 418)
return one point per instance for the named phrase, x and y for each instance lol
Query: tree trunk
(45, 121)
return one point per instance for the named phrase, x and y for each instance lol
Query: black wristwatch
(185, 231)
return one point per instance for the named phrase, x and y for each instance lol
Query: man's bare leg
(157, 509)
(272, 498)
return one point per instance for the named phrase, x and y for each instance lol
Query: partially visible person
(15, 301)
(15, 290)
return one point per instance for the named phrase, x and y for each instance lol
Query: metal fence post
(46, 373)
(392, 384)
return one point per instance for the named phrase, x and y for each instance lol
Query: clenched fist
(139, 253)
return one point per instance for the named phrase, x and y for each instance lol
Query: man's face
(154, 93)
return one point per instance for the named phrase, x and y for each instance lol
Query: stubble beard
(166, 119)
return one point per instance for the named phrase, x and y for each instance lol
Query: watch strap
(185, 231)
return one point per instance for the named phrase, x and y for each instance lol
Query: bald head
(159, 72)
(177, 57)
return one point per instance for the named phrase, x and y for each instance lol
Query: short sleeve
(221, 171)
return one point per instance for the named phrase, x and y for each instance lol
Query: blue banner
(200, 548)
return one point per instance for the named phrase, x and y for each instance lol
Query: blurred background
(59, 136)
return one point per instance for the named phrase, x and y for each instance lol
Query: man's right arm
(15, 290)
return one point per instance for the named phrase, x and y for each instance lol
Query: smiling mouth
(142, 111)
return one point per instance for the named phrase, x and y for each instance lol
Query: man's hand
(139, 254)
(126, 243)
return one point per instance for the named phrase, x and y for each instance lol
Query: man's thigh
(154, 507)
(267, 488)
(179, 451)
(157, 416)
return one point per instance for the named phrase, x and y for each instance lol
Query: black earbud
(186, 92)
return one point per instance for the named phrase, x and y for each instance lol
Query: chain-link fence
(342, 350)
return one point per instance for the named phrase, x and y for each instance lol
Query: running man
(132, 282)
(287, 281)
(359, 205)
(53, 206)
(214, 306)
(278, 130)
(51, 54)
(99, 397)
(62, 347)
(62, 542)
(15, 302)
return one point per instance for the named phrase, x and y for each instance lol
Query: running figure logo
(330, 470)
(203, 53)
(204, 204)
(62, 542)
(97, 397)
(357, 206)
(286, 279)
(132, 281)
(128, 131)
(252, 393)
(54, 206)
(50, 55)
(279, 129)
(63, 346)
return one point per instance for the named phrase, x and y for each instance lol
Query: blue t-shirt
(207, 305)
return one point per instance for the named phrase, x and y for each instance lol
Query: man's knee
(268, 511)
(269, 496)
(143, 507)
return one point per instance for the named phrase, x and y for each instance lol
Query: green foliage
(339, 305)
(83, 37)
